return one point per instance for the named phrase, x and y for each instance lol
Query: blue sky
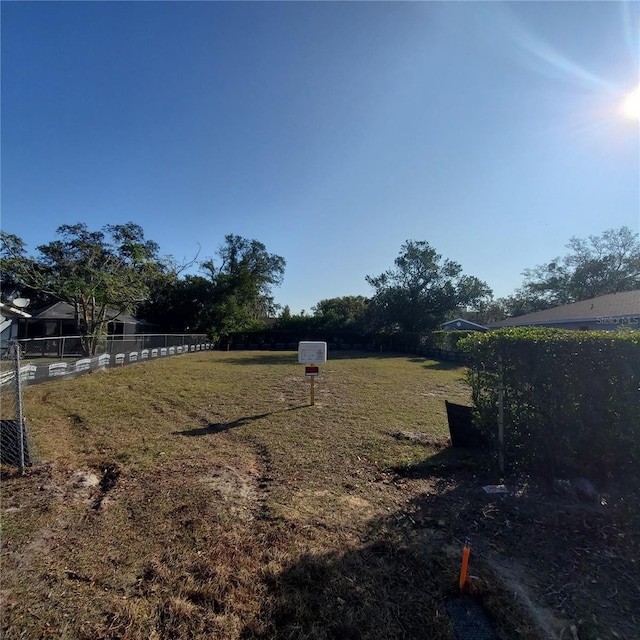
(332, 132)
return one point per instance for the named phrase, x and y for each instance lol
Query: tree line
(116, 270)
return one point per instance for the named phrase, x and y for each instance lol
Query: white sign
(58, 369)
(83, 365)
(312, 352)
(104, 360)
(28, 372)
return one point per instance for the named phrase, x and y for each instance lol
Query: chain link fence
(25, 362)
(71, 346)
(14, 443)
(49, 358)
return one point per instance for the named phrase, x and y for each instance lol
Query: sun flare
(631, 105)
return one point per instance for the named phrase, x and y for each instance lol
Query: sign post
(312, 354)
(312, 372)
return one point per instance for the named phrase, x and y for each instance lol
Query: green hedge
(572, 398)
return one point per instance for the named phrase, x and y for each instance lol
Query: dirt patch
(83, 480)
(238, 489)
(59, 495)
(567, 565)
(518, 581)
(110, 476)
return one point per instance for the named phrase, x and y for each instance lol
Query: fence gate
(14, 445)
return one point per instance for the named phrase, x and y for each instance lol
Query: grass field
(202, 497)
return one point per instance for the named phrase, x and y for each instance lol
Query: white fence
(141, 349)
(71, 346)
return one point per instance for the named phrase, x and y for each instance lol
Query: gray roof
(461, 323)
(625, 303)
(64, 311)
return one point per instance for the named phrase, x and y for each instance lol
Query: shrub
(446, 340)
(571, 398)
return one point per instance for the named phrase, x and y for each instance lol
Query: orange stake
(466, 550)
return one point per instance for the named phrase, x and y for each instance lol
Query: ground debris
(577, 487)
(562, 556)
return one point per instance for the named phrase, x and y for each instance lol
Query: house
(460, 324)
(59, 320)
(10, 320)
(604, 313)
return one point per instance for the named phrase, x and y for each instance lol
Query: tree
(422, 288)
(11, 286)
(521, 302)
(243, 281)
(608, 263)
(347, 313)
(180, 304)
(233, 294)
(101, 274)
(296, 323)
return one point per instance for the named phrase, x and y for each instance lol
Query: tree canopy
(96, 272)
(421, 289)
(596, 266)
(234, 292)
(345, 312)
(116, 270)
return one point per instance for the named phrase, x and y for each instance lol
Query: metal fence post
(19, 415)
(500, 417)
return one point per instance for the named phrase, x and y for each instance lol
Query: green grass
(229, 489)
(230, 508)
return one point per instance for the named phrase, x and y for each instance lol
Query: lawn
(202, 496)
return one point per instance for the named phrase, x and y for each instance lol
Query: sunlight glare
(631, 105)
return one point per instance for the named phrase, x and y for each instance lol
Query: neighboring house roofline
(511, 322)
(618, 306)
(478, 327)
(64, 311)
(12, 311)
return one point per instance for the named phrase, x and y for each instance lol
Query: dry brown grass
(201, 497)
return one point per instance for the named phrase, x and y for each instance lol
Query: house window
(51, 328)
(115, 328)
(69, 328)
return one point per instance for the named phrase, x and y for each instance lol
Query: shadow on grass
(381, 591)
(448, 462)
(396, 582)
(437, 365)
(218, 427)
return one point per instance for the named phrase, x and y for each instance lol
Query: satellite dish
(21, 303)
